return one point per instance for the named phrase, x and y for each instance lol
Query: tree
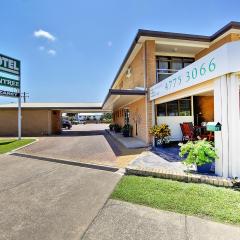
(107, 116)
(71, 116)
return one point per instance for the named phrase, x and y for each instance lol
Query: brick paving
(88, 143)
(149, 164)
(83, 143)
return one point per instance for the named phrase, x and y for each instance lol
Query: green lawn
(202, 200)
(7, 145)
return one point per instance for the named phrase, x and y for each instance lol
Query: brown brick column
(56, 122)
(150, 76)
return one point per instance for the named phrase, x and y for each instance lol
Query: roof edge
(172, 35)
(227, 27)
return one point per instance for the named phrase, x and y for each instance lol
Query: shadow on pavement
(71, 133)
(73, 163)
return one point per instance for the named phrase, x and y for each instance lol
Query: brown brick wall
(138, 119)
(34, 122)
(229, 38)
(150, 63)
(138, 109)
(118, 117)
(137, 73)
(56, 122)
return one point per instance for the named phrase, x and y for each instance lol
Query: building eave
(130, 95)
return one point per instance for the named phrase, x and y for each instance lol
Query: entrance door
(126, 116)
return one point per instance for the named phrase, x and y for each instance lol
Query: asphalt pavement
(47, 200)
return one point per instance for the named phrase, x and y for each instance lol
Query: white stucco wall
(174, 124)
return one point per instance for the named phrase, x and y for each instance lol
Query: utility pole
(25, 96)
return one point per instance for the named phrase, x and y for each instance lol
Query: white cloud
(44, 34)
(109, 43)
(52, 52)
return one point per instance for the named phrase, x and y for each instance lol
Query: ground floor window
(181, 107)
(185, 107)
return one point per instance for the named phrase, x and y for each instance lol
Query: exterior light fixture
(129, 72)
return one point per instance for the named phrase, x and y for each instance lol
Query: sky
(71, 50)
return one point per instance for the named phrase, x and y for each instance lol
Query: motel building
(174, 78)
(170, 78)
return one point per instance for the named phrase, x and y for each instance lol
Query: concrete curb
(14, 150)
(123, 143)
(177, 176)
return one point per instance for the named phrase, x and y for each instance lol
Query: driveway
(83, 143)
(47, 200)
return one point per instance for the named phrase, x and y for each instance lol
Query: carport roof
(78, 107)
(115, 98)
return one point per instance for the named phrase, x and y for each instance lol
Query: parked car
(66, 124)
(75, 122)
(82, 121)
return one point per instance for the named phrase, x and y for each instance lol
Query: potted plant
(200, 153)
(117, 128)
(127, 130)
(161, 134)
(111, 127)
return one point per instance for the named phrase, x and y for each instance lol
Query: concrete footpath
(120, 220)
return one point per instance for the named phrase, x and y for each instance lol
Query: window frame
(178, 107)
(170, 60)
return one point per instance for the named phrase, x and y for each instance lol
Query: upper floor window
(166, 66)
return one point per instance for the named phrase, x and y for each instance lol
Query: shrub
(198, 152)
(105, 120)
(117, 128)
(111, 127)
(127, 130)
(161, 132)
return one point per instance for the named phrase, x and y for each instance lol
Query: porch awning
(118, 98)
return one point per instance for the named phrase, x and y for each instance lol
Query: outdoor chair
(187, 132)
(195, 133)
(190, 126)
(208, 135)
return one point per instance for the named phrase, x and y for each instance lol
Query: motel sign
(10, 79)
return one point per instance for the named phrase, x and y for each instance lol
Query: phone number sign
(217, 63)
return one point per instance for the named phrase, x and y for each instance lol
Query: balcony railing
(161, 74)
